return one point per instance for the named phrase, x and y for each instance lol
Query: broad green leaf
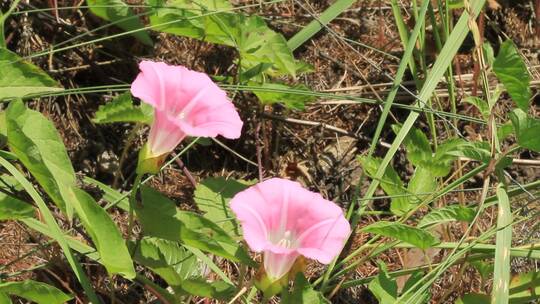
(443, 158)
(38, 292)
(166, 258)
(213, 21)
(390, 183)
(527, 129)
(37, 144)
(505, 130)
(525, 287)
(4, 298)
(421, 185)
(20, 78)
(202, 288)
(212, 197)
(383, 286)
(480, 104)
(302, 292)
(122, 15)
(411, 235)
(52, 228)
(489, 53)
(122, 109)
(179, 268)
(447, 214)
(478, 150)
(160, 218)
(12, 208)
(184, 18)
(259, 44)
(104, 233)
(503, 243)
(473, 298)
(289, 100)
(512, 72)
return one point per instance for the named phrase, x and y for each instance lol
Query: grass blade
(316, 25)
(501, 272)
(54, 228)
(434, 76)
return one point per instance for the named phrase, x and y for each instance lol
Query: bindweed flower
(282, 219)
(186, 103)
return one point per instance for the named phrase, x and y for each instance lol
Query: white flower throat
(287, 240)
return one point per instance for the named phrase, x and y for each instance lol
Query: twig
(322, 125)
(182, 166)
(234, 152)
(259, 150)
(238, 295)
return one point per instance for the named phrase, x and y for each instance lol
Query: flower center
(287, 240)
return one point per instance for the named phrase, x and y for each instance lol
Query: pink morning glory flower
(186, 103)
(284, 220)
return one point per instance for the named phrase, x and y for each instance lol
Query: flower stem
(132, 202)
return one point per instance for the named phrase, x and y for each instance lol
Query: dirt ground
(323, 159)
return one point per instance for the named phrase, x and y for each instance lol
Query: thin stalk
(3, 18)
(132, 202)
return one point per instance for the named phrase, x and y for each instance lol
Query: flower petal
(319, 227)
(277, 265)
(324, 241)
(214, 114)
(191, 99)
(165, 134)
(160, 85)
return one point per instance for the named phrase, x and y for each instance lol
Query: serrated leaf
(443, 157)
(390, 183)
(120, 13)
(35, 291)
(160, 218)
(302, 292)
(122, 109)
(417, 237)
(421, 185)
(477, 150)
(417, 146)
(213, 21)
(512, 72)
(383, 286)
(20, 78)
(447, 214)
(37, 144)
(527, 130)
(212, 196)
(480, 104)
(289, 100)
